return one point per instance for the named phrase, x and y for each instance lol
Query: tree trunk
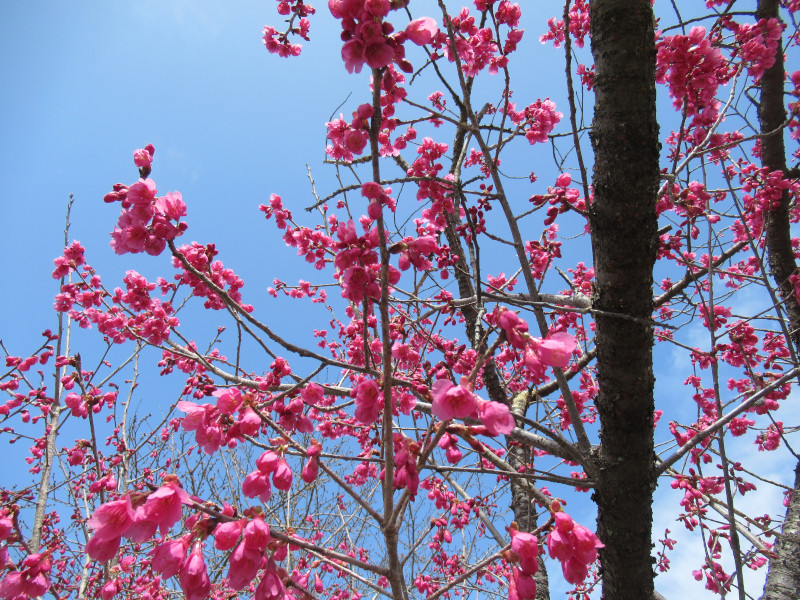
(624, 224)
(783, 576)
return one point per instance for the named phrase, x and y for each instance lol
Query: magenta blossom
(496, 417)
(193, 576)
(452, 401)
(556, 349)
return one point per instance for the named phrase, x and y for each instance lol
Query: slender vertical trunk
(624, 224)
(783, 576)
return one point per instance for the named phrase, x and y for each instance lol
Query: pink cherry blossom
(526, 547)
(193, 576)
(452, 401)
(369, 401)
(168, 556)
(496, 417)
(244, 565)
(112, 519)
(516, 329)
(521, 586)
(421, 31)
(556, 350)
(227, 534)
(163, 507)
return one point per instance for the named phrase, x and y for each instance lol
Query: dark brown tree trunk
(783, 576)
(624, 224)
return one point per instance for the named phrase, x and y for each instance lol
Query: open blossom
(143, 157)
(163, 507)
(496, 417)
(452, 401)
(556, 349)
(421, 31)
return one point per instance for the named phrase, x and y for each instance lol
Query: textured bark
(624, 224)
(783, 576)
(772, 115)
(525, 513)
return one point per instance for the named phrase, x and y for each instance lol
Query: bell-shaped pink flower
(168, 556)
(526, 546)
(193, 576)
(227, 534)
(282, 476)
(244, 565)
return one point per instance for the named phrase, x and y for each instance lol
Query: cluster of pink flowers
(371, 40)
(573, 545)
(32, 580)
(257, 482)
(525, 551)
(201, 258)
(476, 47)
(693, 69)
(146, 221)
(114, 520)
(555, 350)
(358, 264)
(349, 139)
(535, 121)
(561, 198)
(277, 42)
(452, 401)
(578, 26)
(757, 44)
(378, 198)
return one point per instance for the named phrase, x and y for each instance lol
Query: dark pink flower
(227, 534)
(193, 576)
(168, 556)
(526, 546)
(496, 417)
(244, 565)
(452, 401)
(163, 506)
(112, 519)
(368, 401)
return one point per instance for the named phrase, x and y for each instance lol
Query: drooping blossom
(368, 401)
(516, 329)
(574, 545)
(311, 468)
(193, 576)
(110, 521)
(168, 556)
(526, 547)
